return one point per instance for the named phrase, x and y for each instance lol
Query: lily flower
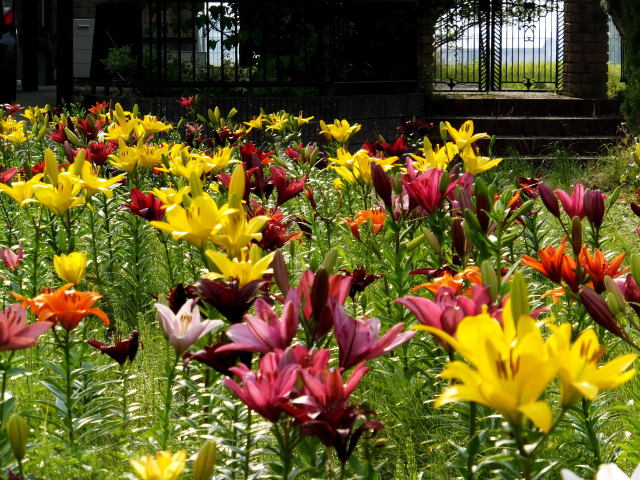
(15, 334)
(594, 206)
(65, 306)
(555, 265)
(597, 267)
(71, 268)
(475, 164)
(579, 373)
(452, 279)
(376, 216)
(22, 191)
(60, 197)
(509, 367)
(361, 280)
(122, 350)
(357, 338)
(464, 136)
(423, 189)
(286, 188)
(228, 297)
(266, 331)
(267, 390)
(184, 328)
(146, 206)
(599, 311)
(608, 471)
(220, 361)
(339, 130)
(162, 466)
(246, 268)
(573, 205)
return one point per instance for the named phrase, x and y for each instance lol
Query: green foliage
(120, 60)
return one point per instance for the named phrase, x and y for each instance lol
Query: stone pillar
(426, 25)
(586, 49)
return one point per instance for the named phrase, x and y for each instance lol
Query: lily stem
(167, 404)
(68, 400)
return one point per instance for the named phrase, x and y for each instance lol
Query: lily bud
(615, 298)
(433, 241)
(458, 238)
(594, 207)
(18, 433)
(599, 311)
(519, 297)
(635, 267)
(549, 199)
(205, 461)
(381, 184)
(330, 260)
(71, 268)
(280, 272)
(576, 235)
(482, 208)
(489, 278)
(444, 182)
(396, 183)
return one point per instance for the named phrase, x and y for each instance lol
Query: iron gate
(491, 45)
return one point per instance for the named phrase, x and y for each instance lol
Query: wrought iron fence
(501, 45)
(246, 44)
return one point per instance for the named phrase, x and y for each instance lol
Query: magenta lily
(287, 188)
(357, 338)
(423, 189)
(267, 390)
(184, 328)
(573, 205)
(266, 331)
(15, 334)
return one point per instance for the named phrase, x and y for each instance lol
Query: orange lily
(64, 306)
(555, 265)
(377, 217)
(597, 267)
(454, 281)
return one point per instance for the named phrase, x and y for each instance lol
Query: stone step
(555, 106)
(547, 145)
(538, 126)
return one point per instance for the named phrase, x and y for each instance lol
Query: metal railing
(317, 45)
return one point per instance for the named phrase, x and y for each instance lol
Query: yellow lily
(464, 136)
(438, 157)
(150, 156)
(474, 164)
(196, 223)
(255, 122)
(62, 196)
(357, 167)
(127, 158)
(250, 265)
(236, 232)
(579, 373)
(34, 114)
(162, 466)
(339, 130)
(150, 125)
(277, 121)
(300, 120)
(170, 196)
(121, 129)
(21, 191)
(71, 268)
(509, 367)
(91, 183)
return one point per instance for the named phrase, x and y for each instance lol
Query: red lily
(146, 206)
(266, 331)
(218, 360)
(89, 128)
(286, 187)
(187, 102)
(361, 280)
(99, 107)
(253, 156)
(8, 174)
(594, 207)
(122, 350)
(99, 152)
(357, 338)
(58, 135)
(598, 267)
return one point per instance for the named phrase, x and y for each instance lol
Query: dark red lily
(549, 199)
(146, 206)
(232, 302)
(599, 311)
(252, 156)
(594, 207)
(122, 350)
(179, 295)
(285, 187)
(58, 134)
(361, 280)
(220, 361)
(417, 127)
(90, 128)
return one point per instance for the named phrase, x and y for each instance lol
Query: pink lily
(14, 332)
(357, 338)
(184, 328)
(423, 189)
(574, 204)
(267, 390)
(266, 331)
(11, 259)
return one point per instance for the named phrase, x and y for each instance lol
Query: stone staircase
(534, 127)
